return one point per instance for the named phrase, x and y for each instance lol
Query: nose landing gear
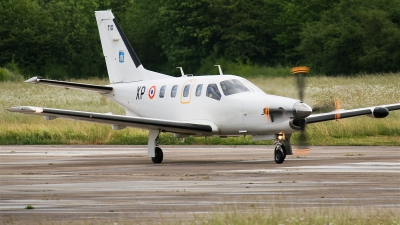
(279, 154)
(282, 147)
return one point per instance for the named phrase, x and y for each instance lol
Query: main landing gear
(282, 147)
(159, 155)
(153, 149)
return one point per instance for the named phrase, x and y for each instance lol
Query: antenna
(183, 74)
(220, 70)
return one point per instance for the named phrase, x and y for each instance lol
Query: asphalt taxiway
(117, 183)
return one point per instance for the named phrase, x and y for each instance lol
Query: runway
(118, 183)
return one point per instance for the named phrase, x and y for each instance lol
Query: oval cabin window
(186, 90)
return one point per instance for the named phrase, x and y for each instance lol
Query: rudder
(122, 63)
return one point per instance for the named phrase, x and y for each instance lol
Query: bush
(29, 207)
(7, 75)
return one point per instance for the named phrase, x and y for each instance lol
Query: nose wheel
(279, 154)
(158, 158)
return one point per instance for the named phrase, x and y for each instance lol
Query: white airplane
(214, 105)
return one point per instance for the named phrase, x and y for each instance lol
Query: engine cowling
(297, 124)
(379, 112)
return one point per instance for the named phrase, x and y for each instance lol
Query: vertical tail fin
(122, 63)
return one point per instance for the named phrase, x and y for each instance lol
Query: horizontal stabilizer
(87, 87)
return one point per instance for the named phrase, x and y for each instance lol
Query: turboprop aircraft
(213, 105)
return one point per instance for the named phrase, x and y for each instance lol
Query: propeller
(300, 110)
(301, 72)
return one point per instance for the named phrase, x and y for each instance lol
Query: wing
(87, 87)
(204, 128)
(374, 111)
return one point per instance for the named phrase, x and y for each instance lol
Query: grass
(29, 207)
(360, 91)
(253, 215)
(336, 216)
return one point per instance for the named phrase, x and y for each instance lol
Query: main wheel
(279, 155)
(158, 155)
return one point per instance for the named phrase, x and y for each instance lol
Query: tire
(158, 158)
(284, 151)
(279, 156)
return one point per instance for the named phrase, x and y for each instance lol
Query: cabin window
(173, 91)
(199, 88)
(230, 87)
(213, 92)
(186, 90)
(162, 91)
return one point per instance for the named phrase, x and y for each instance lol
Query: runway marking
(51, 152)
(364, 167)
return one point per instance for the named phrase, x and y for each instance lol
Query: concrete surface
(118, 183)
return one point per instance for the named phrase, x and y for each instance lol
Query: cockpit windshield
(230, 87)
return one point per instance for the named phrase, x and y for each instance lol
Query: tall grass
(253, 216)
(361, 91)
(337, 216)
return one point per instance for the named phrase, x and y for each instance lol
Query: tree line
(59, 38)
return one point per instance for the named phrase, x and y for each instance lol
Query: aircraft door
(228, 113)
(186, 93)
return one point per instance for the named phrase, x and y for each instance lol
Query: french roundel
(152, 92)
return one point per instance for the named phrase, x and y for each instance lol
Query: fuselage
(232, 104)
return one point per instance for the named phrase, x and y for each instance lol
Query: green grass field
(360, 91)
(342, 215)
(338, 216)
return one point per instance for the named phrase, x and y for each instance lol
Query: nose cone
(301, 110)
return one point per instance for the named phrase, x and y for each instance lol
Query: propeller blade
(303, 139)
(266, 114)
(301, 73)
(300, 85)
(337, 108)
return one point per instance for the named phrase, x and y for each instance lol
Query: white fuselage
(233, 114)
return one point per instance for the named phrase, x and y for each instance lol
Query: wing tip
(34, 79)
(25, 109)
